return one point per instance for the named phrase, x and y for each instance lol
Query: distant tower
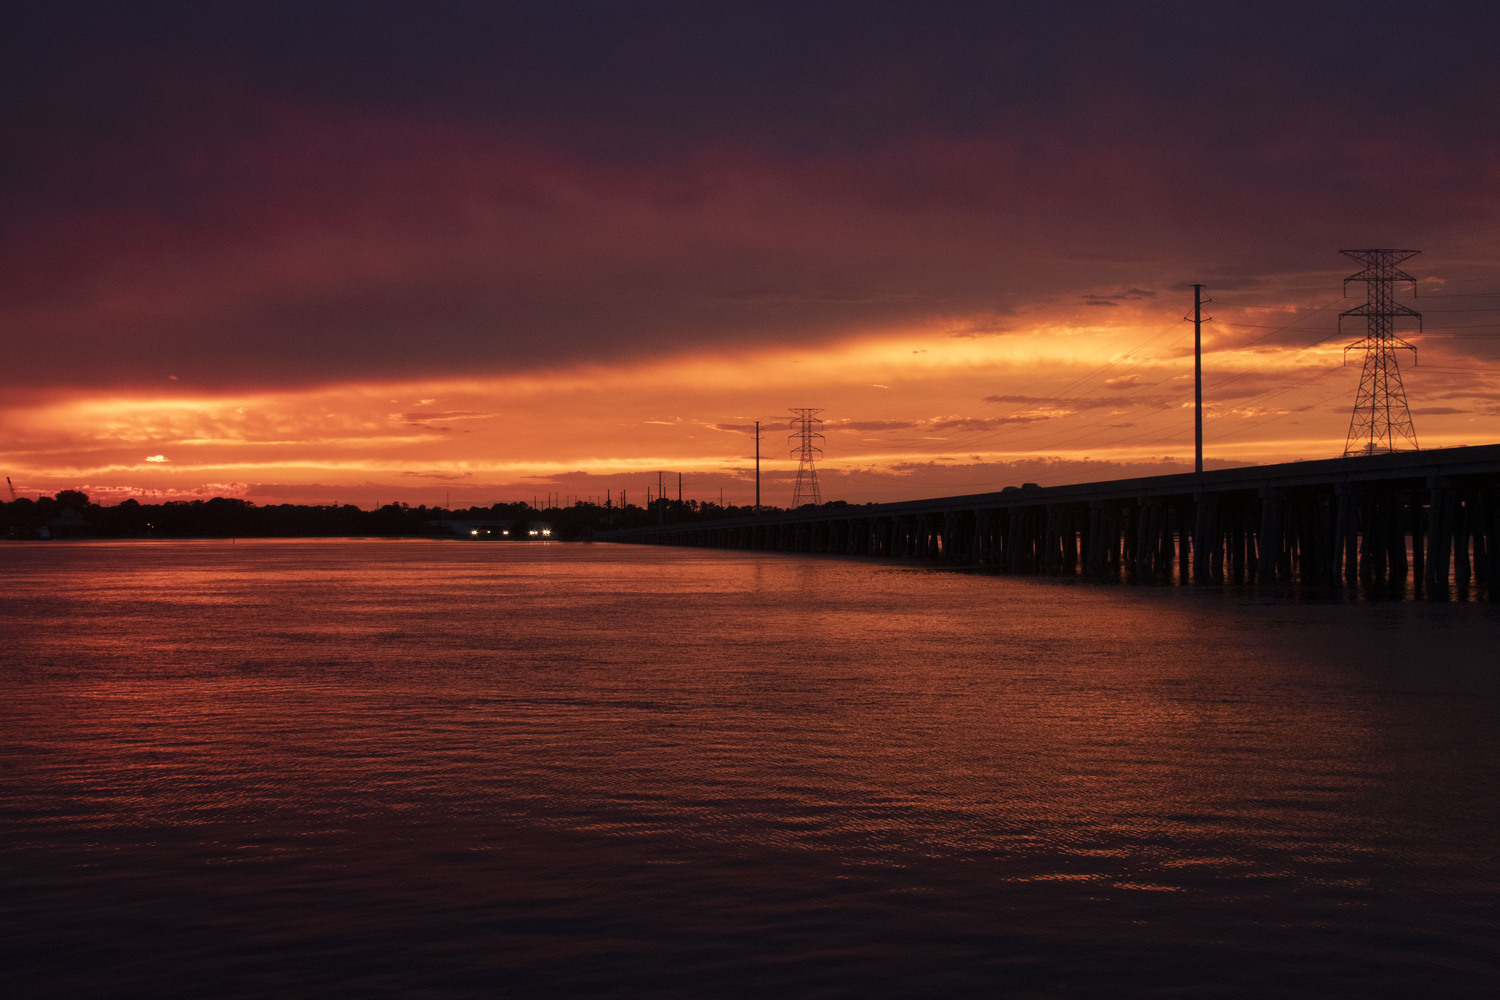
(805, 427)
(1380, 412)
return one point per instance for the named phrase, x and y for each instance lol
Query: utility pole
(757, 468)
(1198, 377)
(803, 429)
(1380, 410)
(661, 499)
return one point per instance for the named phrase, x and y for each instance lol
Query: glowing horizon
(1086, 396)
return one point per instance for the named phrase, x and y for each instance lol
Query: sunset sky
(460, 253)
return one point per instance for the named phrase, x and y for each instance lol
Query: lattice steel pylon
(804, 430)
(1380, 411)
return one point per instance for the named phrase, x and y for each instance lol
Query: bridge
(1428, 517)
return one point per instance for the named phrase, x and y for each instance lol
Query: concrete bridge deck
(1433, 516)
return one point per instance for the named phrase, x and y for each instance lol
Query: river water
(449, 769)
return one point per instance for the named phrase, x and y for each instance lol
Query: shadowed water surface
(430, 769)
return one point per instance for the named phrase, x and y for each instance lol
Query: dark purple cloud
(243, 194)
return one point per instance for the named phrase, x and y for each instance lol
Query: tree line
(71, 514)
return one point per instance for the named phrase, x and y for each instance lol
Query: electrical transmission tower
(1380, 411)
(805, 427)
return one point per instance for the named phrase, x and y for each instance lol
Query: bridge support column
(1484, 536)
(1094, 557)
(1268, 538)
(1070, 545)
(1357, 516)
(1208, 543)
(1439, 537)
(1462, 568)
